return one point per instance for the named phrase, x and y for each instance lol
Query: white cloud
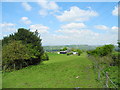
(40, 28)
(68, 37)
(115, 11)
(76, 14)
(6, 24)
(7, 28)
(73, 26)
(47, 6)
(26, 20)
(106, 28)
(68, 34)
(78, 33)
(69, 31)
(114, 29)
(75, 29)
(101, 27)
(43, 12)
(26, 6)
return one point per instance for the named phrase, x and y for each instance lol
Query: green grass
(59, 72)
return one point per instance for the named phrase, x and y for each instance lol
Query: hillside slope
(61, 71)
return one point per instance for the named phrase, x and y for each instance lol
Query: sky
(63, 23)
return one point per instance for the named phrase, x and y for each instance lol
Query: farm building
(75, 52)
(63, 52)
(67, 51)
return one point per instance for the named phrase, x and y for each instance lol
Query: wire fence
(109, 80)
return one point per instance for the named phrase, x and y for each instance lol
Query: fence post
(106, 79)
(99, 74)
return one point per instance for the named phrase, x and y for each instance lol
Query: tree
(65, 48)
(36, 33)
(14, 55)
(73, 49)
(79, 52)
(26, 37)
(102, 51)
(29, 40)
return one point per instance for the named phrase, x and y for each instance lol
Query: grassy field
(61, 71)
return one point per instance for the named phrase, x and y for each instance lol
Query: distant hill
(57, 48)
(82, 47)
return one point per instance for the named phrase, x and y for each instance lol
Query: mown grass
(59, 72)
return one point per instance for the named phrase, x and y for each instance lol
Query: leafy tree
(29, 41)
(116, 58)
(102, 51)
(7, 39)
(65, 48)
(14, 54)
(74, 50)
(36, 33)
(26, 37)
(79, 52)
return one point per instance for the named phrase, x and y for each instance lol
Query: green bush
(116, 58)
(15, 54)
(102, 51)
(79, 52)
(45, 57)
(70, 53)
(65, 48)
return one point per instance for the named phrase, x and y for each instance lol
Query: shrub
(79, 52)
(70, 53)
(102, 51)
(45, 57)
(15, 54)
(116, 58)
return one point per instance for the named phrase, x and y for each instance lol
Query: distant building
(67, 51)
(63, 52)
(75, 52)
(58, 52)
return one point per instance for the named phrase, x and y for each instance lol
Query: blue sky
(63, 23)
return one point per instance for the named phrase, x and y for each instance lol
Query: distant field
(61, 71)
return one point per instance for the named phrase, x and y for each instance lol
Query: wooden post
(106, 79)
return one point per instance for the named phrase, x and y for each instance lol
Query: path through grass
(61, 71)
